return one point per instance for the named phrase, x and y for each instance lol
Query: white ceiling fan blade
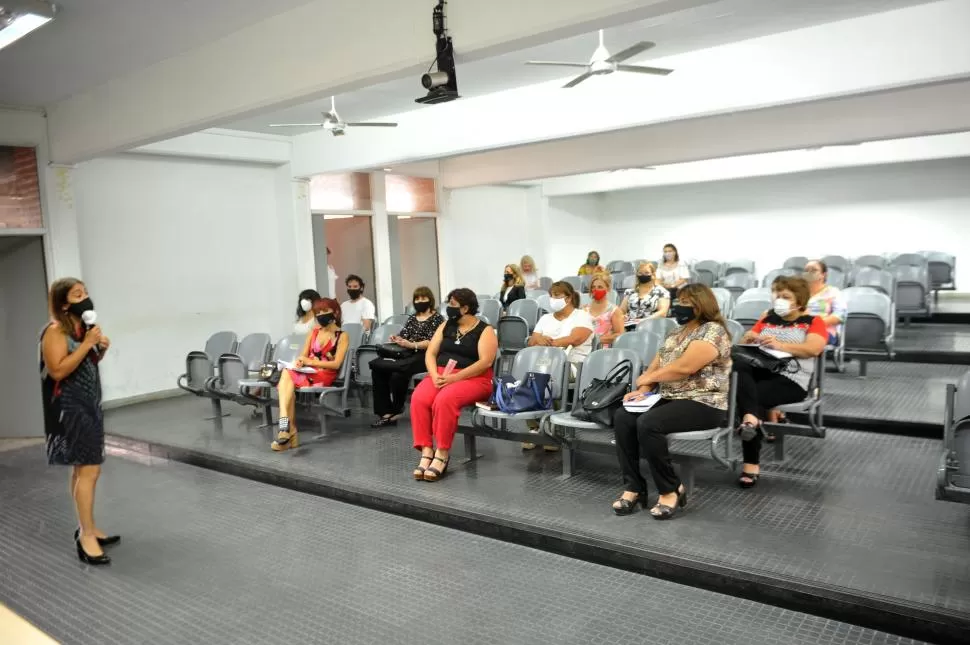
(643, 69)
(554, 63)
(579, 79)
(296, 125)
(371, 125)
(630, 52)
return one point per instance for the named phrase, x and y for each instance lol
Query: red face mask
(599, 294)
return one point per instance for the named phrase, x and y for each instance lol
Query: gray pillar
(394, 239)
(320, 255)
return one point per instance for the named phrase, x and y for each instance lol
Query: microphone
(89, 318)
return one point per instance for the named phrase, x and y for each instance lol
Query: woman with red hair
(324, 352)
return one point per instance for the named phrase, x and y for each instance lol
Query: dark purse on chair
(760, 359)
(395, 351)
(270, 372)
(603, 397)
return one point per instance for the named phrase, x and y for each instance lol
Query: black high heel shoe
(94, 560)
(627, 506)
(432, 474)
(665, 512)
(105, 541)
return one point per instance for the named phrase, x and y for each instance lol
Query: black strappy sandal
(665, 512)
(751, 477)
(432, 474)
(420, 470)
(628, 506)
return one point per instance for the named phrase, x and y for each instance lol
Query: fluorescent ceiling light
(17, 19)
(337, 216)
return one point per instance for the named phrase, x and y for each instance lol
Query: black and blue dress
(73, 420)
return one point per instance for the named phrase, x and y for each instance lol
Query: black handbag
(603, 397)
(756, 358)
(270, 372)
(393, 350)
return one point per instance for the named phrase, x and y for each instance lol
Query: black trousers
(646, 434)
(758, 392)
(391, 387)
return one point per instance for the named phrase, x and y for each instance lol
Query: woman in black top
(437, 402)
(391, 376)
(513, 286)
(71, 346)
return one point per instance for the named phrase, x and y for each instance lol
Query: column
(62, 246)
(308, 263)
(383, 270)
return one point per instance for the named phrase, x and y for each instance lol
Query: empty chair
(527, 309)
(757, 293)
(774, 273)
(738, 283)
(490, 309)
(796, 262)
(545, 282)
(870, 261)
(942, 268)
(877, 279)
(724, 300)
(953, 475)
(621, 266)
(575, 281)
(397, 319)
(837, 262)
(235, 367)
(737, 266)
(837, 279)
(629, 282)
(367, 353)
(513, 333)
(908, 260)
(870, 325)
(644, 343)
(619, 279)
(708, 271)
(736, 330)
(532, 294)
(200, 366)
(749, 312)
(613, 265)
(659, 326)
(912, 289)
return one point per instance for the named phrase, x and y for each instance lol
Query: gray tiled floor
(933, 337)
(854, 511)
(209, 558)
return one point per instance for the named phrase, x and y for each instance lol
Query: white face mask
(557, 304)
(669, 257)
(782, 307)
(305, 305)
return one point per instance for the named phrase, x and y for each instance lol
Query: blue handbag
(531, 394)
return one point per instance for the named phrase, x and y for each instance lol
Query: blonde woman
(607, 317)
(647, 299)
(529, 272)
(513, 286)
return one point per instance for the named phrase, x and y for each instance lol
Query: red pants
(434, 412)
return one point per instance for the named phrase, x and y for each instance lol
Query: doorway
(23, 313)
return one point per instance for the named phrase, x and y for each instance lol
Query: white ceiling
(708, 26)
(93, 41)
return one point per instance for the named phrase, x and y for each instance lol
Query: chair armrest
(715, 442)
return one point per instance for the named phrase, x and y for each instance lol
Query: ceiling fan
(603, 63)
(333, 122)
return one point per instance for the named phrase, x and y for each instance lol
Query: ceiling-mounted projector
(442, 85)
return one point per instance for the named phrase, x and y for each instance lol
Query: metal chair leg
(779, 448)
(471, 448)
(217, 412)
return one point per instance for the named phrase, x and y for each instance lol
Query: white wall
(572, 231)
(851, 212)
(23, 311)
(174, 249)
(482, 229)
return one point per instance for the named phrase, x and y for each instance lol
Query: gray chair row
(869, 330)
(200, 367)
(953, 474)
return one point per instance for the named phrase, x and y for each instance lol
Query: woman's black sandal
(628, 506)
(752, 480)
(665, 512)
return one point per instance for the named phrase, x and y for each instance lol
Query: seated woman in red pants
(437, 402)
(324, 350)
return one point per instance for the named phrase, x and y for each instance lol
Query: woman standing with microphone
(71, 348)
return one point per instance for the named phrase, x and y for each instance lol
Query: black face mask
(592, 261)
(644, 279)
(324, 320)
(508, 277)
(454, 313)
(683, 314)
(78, 308)
(354, 293)
(421, 307)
